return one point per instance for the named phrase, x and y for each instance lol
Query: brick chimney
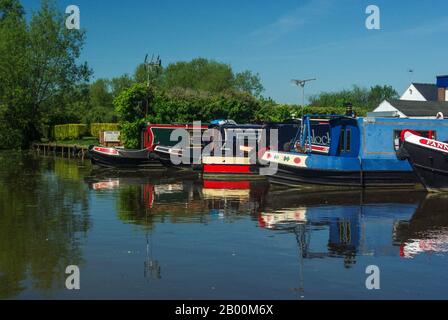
(442, 88)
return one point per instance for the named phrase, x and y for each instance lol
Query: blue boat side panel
(351, 135)
(373, 144)
(378, 135)
(324, 162)
(385, 164)
(335, 134)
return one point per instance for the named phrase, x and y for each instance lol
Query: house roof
(428, 90)
(419, 108)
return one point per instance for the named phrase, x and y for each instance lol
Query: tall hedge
(186, 106)
(96, 128)
(70, 131)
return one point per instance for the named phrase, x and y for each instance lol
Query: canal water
(173, 235)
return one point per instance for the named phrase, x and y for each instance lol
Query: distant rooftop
(419, 108)
(428, 90)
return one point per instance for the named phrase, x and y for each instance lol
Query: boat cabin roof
(369, 137)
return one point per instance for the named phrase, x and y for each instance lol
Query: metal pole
(303, 95)
(303, 100)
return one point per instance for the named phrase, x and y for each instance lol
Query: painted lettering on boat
(435, 144)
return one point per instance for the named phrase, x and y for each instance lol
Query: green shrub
(130, 134)
(96, 128)
(70, 131)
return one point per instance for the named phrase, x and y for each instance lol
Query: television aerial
(411, 74)
(154, 64)
(302, 83)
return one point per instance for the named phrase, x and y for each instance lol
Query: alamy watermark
(233, 146)
(373, 280)
(373, 21)
(73, 21)
(73, 281)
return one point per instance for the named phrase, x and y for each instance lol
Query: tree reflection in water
(43, 216)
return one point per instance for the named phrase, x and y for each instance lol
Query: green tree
(199, 74)
(118, 84)
(54, 51)
(38, 72)
(100, 95)
(13, 73)
(154, 75)
(100, 103)
(363, 99)
(379, 93)
(11, 8)
(248, 82)
(132, 105)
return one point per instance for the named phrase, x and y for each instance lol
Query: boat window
(431, 134)
(348, 138)
(345, 140)
(341, 140)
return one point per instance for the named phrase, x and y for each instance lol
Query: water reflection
(356, 223)
(43, 218)
(427, 231)
(166, 197)
(351, 218)
(206, 238)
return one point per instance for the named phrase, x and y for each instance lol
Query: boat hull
(130, 159)
(296, 177)
(430, 165)
(167, 154)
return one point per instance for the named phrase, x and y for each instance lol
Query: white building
(420, 92)
(413, 109)
(420, 100)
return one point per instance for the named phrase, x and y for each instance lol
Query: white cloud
(292, 21)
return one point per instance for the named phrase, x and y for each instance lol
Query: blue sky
(280, 40)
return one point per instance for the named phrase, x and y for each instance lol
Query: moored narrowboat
(429, 159)
(362, 153)
(152, 135)
(172, 154)
(123, 158)
(223, 147)
(240, 146)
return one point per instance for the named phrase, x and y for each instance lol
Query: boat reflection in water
(427, 231)
(347, 228)
(354, 220)
(355, 223)
(183, 197)
(174, 235)
(360, 226)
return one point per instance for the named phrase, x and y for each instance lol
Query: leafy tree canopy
(39, 69)
(200, 74)
(360, 97)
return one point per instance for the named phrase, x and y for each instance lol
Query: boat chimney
(348, 109)
(442, 88)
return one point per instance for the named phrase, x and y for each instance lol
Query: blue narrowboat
(362, 152)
